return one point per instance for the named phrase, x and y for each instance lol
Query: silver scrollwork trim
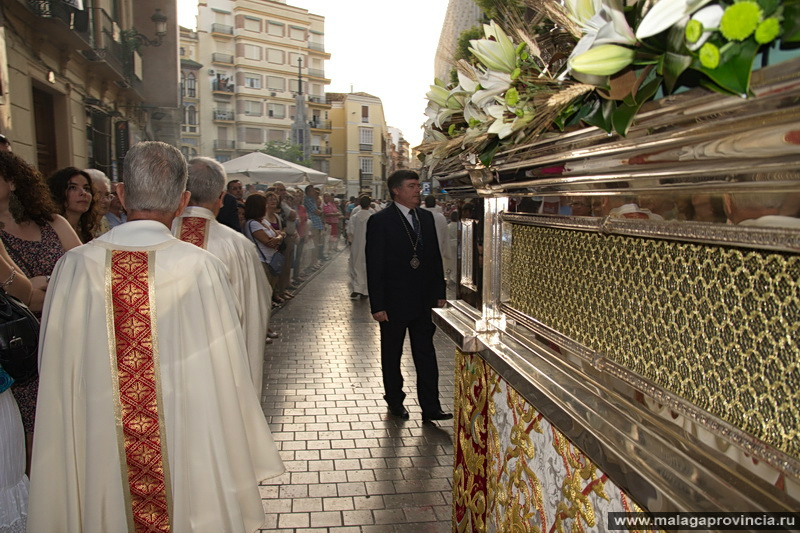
(778, 239)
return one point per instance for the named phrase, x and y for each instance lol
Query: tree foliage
(462, 48)
(497, 9)
(287, 151)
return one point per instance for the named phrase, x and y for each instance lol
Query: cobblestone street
(351, 466)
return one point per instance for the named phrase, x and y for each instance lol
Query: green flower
(768, 30)
(512, 97)
(709, 56)
(740, 20)
(694, 29)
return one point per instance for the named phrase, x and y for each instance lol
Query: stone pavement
(351, 466)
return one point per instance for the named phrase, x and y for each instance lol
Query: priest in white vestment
(357, 235)
(198, 225)
(440, 222)
(148, 420)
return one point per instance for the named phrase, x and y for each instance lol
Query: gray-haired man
(145, 386)
(198, 225)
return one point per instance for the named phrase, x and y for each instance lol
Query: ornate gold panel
(717, 326)
(514, 471)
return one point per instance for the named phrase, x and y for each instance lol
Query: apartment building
(360, 155)
(461, 15)
(399, 151)
(82, 81)
(244, 67)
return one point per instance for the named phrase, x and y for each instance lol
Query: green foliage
(462, 48)
(497, 9)
(791, 21)
(287, 151)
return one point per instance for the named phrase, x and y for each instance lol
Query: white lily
(430, 135)
(582, 10)
(612, 27)
(603, 60)
(431, 111)
(444, 98)
(468, 82)
(497, 54)
(504, 126)
(665, 14)
(493, 83)
(709, 17)
(607, 26)
(473, 113)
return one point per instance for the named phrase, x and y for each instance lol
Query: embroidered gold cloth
(137, 376)
(194, 230)
(514, 471)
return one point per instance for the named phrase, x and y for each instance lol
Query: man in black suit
(406, 280)
(229, 212)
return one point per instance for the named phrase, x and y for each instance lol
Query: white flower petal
(665, 14)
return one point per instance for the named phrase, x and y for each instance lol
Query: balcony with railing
(224, 59)
(222, 29)
(224, 145)
(320, 124)
(365, 147)
(319, 47)
(316, 72)
(67, 18)
(320, 151)
(223, 115)
(222, 85)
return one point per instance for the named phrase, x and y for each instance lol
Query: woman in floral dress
(35, 237)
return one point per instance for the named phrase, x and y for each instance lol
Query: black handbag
(19, 339)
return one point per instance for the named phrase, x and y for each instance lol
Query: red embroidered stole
(194, 230)
(138, 399)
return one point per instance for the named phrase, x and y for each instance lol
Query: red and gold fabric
(138, 403)
(194, 230)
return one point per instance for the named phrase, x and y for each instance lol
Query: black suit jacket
(403, 292)
(229, 212)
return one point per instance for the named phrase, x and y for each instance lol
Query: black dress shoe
(438, 415)
(399, 412)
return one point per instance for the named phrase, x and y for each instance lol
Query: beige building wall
(248, 82)
(338, 167)
(71, 77)
(358, 139)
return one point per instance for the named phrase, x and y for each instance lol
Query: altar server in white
(147, 417)
(198, 225)
(357, 235)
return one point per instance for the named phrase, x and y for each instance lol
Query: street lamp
(137, 39)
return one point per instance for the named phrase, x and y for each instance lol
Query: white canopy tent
(258, 167)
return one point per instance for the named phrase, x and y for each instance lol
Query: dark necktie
(415, 221)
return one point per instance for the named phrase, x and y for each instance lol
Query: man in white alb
(148, 420)
(357, 235)
(198, 225)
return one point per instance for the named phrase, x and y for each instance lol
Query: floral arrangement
(618, 57)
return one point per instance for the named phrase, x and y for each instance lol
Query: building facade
(80, 82)
(399, 150)
(247, 62)
(359, 143)
(461, 15)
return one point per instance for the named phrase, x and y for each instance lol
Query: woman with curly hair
(35, 237)
(73, 194)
